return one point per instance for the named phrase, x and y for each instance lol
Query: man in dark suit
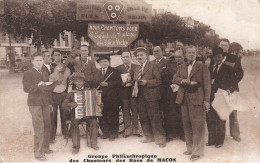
(128, 103)
(162, 64)
(147, 79)
(222, 77)
(39, 101)
(194, 97)
(234, 62)
(109, 122)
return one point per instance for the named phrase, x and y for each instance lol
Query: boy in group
(69, 102)
(39, 102)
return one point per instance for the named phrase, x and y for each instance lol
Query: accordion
(89, 103)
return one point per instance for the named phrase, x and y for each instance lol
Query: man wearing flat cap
(147, 79)
(108, 80)
(69, 102)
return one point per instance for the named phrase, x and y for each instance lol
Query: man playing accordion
(69, 102)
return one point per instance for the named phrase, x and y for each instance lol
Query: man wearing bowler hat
(108, 80)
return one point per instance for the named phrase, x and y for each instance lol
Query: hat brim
(99, 59)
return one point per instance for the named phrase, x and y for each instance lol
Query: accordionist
(78, 80)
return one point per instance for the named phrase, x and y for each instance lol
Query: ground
(16, 132)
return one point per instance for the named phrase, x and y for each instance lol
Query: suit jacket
(38, 96)
(225, 79)
(238, 70)
(170, 71)
(110, 94)
(163, 64)
(151, 73)
(200, 74)
(125, 92)
(89, 71)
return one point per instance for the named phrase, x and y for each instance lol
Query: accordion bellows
(89, 103)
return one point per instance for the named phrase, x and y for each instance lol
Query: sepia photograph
(129, 81)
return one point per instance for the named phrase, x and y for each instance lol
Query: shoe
(238, 139)
(112, 138)
(41, 158)
(162, 145)
(75, 151)
(65, 136)
(95, 147)
(126, 136)
(147, 140)
(48, 151)
(138, 135)
(218, 146)
(209, 144)
(104, 137)
(194, 157)
(187, 153)
(169, 139)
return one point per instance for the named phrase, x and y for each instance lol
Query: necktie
(215, 72)
(39, 70)
(127, 68)
(103, 71)
(139, 76)
(157, 61)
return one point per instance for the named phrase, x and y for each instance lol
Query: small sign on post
(113, 10)
(113, 35)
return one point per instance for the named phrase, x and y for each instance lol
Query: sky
(237, 20)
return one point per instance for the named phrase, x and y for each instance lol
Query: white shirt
(218, 67)
(104, 69)
(48, 67)
(158, 60)
(190, 68)
(143, 65)
(37, 69)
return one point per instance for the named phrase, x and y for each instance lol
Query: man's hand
(41, 83)
(142, 82)
(51, 108)
(73, 104)
(206, 106)
(185, 81)
(103, 84)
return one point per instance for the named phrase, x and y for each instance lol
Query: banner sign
(113, 35)
(129, 11)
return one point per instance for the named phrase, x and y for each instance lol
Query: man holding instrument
(108, 80)
(69, 102)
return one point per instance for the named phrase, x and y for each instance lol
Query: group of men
(171, 97)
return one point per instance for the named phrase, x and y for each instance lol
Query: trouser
(216, 128)
(173, 121)
(92, 127)
(194, 117)
(64, 114)
(130, 120)
(109, 122)
(233, 124)
(151, 120)
(41, 126)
